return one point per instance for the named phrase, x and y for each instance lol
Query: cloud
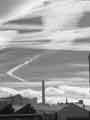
(33, 36)
(58, 88)
(50, 82)
(6, 37)
(58, 40)
(79, 65)
(52, 91)
(30, 93)
(55, 19)
(49, 91)
(57, 37)
(78, 90)
(33, 85)
(72, 81)
(87, 101)
(69, 78)
(70, 35)
(20, 27)
(21, 84)
(83, 73)
(64, 46)
(17, 9)
(60, 29)
(55, 100)
(53, 94)
(5, 92)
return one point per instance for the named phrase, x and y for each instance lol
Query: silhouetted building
(6, 109)
(80, 103)
(72, 112)
(69, 111)
(26, 109)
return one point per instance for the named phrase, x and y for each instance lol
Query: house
(26, 109)
(6, 109)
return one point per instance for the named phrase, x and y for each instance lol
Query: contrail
(10, 72)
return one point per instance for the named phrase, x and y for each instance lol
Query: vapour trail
(11, 71)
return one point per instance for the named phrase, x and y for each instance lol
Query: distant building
(87, 107)
(80, 103)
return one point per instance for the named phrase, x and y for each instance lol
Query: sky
(45, 39)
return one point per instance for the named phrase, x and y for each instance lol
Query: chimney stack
(43, 92)
(89, 69)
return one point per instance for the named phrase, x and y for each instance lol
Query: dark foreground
(37, 117)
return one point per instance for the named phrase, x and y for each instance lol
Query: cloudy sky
(45, 39)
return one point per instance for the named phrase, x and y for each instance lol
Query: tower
(43, 92)
(89, 69)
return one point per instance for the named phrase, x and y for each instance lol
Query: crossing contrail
(11, 74)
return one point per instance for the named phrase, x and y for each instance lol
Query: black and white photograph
(44, 59)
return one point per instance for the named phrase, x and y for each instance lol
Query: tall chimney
(89, 69)
(43, 92)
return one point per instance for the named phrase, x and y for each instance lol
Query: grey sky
(63, 39)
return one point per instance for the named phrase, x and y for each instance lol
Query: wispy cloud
(30, 93)
(5, 92)
(17, 9)
(83, 73)
(68, 19)
(58, 40)
(79, 65)
(6, 36)
(60, 29)
(77, 90)
(52, 91)
(20, 27)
